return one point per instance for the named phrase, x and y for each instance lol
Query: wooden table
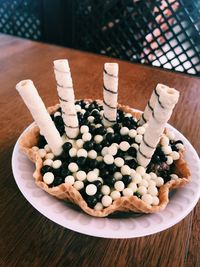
(27, 238)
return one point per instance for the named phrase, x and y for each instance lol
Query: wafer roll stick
(151, 103)
(29, 94)
(66, 97)
(110, 93)
(160, 115)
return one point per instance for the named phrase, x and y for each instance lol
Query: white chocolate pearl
(69, 179)
(73, 167)
(144, 183)
(118, 175)
(174, 176)
(106, 201)
(124, 146)
(152, 183)
(145, 125)
(175, 155)
(84, 129)
(101, 113)
(91, 189)
(86, 137)
(99, 158)
(83, 111)
(96, 171)
(73, 152)
(48, 178)
(56, 114)
(164, 140)
(141, 130)
(142, 190)
(56, 164)
(159, 181)
(98, 138)
(146, 176)
(100, 179)
(141, 170)
(135, 146)
(47, 148)
(82, 153)
(110, 130)
(125, 170)
(136, 178)
(152, 190)
(124, 130)
(78, 108)
(147, 198)
(119, 162)
(156, 201)
(133, 186)
(170, 135)
(115, 144)
(81, 175)
(48, 162)
(138, 138)
(98, 125)
(90, 119)
(92, 176)
(128, 115)
(42, 152)
(132, 172)
(119, 186)
(35, 148)
(153, 175)
(108, 159)
(104, 151)
(79, 143)
(98, 206)
(115, 194)
(180, 146)
(127, 192)
(112, 150)
(132, 133)
(167, 150)
(169, 160)
(92, 154)
(49, 156)
(105, 190)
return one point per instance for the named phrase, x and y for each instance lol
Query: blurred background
(164, 33)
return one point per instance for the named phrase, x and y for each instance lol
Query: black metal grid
(161, 33)
(21, 18)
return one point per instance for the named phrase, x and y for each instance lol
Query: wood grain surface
(27, 238)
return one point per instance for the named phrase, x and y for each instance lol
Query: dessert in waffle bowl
(100, 155)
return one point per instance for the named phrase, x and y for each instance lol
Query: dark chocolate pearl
(45, 169)
(92, 163)
(99, 195)
(110, 180)
(98, 184)
(67, 146)
(58, 180)
(137, 194)
(57, 172)
(174, 148)
(97, 120)
(52, 117)
(126, 179)
(163, 158)
(88, 145)
(105, 143)
(64, 156)
(132, 151)
(98, 147)
(116, 127)
(64, 172)
(178, 142)
(126, 122)
(131, 163)
(112, 168)
(104, 173)
(101, 130)
(101, 165)
(117, 138)
(61, 129)
(86, 114)
(109, 137)
(155, 159)
(83, 193)
(95, 113)
(42, 141)
(65, 165)
(91, 107)
(127, 139)
(92, 129)
(58, 120)
(120, 153)
(81, 161)
(91, 201)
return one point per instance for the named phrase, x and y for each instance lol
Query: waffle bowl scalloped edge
(123, 204)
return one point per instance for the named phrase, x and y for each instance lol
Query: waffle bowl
(123, 204)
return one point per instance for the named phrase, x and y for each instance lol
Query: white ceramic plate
(182, 201)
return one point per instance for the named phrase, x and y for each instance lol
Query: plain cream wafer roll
(66, 97)
(151, 103)
(29, 94)
(110, 93)
(161, 114)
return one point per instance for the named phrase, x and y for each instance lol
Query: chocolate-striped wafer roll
(42, 118)
(160, 115)
(151, 103)
(66, 97)
(110, 93)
